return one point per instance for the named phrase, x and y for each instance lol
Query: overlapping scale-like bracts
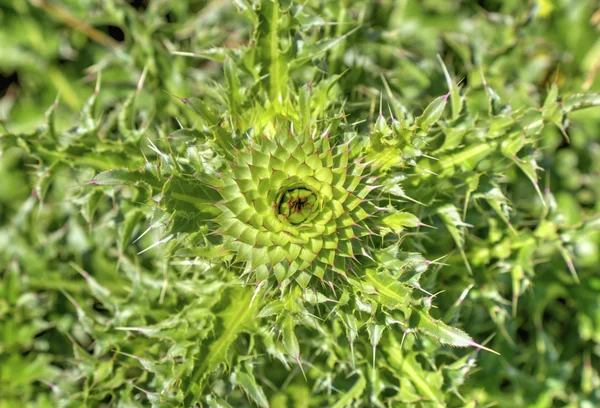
(293, 206)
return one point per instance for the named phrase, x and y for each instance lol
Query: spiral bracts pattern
(293, 206)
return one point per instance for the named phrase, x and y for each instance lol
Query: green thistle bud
(292, 203)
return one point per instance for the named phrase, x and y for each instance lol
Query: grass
(449, 149)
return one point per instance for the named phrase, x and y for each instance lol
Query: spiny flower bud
(292, 203)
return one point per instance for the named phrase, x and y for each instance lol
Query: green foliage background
(114, 292)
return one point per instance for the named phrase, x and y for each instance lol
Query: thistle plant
(310, 215)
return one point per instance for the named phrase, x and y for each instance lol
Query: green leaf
(51, 121)
(392, 293)
(529, 167)
(125, 177)
(455, 99)
(428, 384)
(290, 342)
(203, 109)
(252, 389)
(466, 158)
(217, 54)
(234, 319)
(88, 123)
(188, 194)
(132, 220)
(399, 220)
(271, 57)
(375, 331)
(551, 110)
(350, 323)
(100, 292)
(580, 101)
(352, 394)
(451, 218)
(443, 333)
(432, 113)
(233, 88)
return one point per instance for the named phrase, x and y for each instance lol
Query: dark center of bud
(297, 205)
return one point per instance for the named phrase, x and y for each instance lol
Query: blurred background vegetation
(54, 50)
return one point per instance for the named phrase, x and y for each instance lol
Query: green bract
(294, 203)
